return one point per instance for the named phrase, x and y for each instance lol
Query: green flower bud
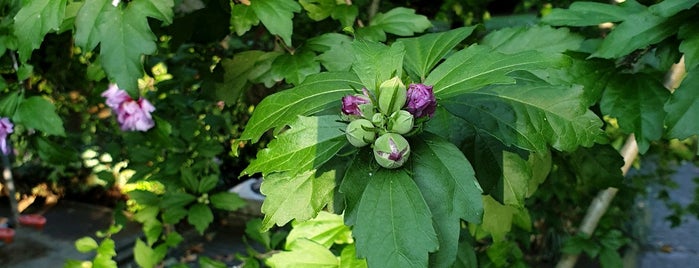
(359, 132)
(391, 150)
(378, 120)
(392, 96)
(400, 122)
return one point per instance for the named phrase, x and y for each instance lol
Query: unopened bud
(400, 122)
(391, 150)
(359, 132)
(392, 96)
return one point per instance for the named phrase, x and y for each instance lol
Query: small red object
(33, 220)
(7, 235)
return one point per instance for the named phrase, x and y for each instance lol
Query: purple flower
(421, 100)
(350, 104)
(6, 127)
(135, 115)
(391, 150)
(115, 96)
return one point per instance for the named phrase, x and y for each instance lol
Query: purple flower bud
(351, 103)
(391, 150)
(421, 101)
(6, 127)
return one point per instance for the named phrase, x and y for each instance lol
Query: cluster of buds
(383, 120)
(132, 114)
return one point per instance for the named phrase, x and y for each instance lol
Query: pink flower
(421, 100)
(6, 127)
(350, 104)
(132, 115)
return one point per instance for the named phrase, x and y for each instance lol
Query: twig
(373, 8)
(10, 185)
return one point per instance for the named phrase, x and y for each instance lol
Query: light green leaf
(206, 262)
(318, 92)
(143, 197)
(370, 33)
(401, 21)
(305, 253)
(336, 51)
(38, 113)
(515, 180)
(86, 244)
(637, 31)
(33, 21)
(683, 108)
(318, 9)
(637, 101)
(325, 229)
(424, 52)
(538, 38)
(540, 164)
(144, 255)
(375, 62)
(348, 258)
(309, 143)
(227, 201)
(200, 216)
(157, 9)
(668, 8)
(152, 230)
(478, 66)
(295, 68)
(90, 16)
(173, 199)
(588, 14)
(174, 215)
(106, 248)
(394, 224)
(530, 115)
(345, 14)
(242, 18)
(497, 220)
(448, 185)
(276, 15)
(299, 196)
(689, 34)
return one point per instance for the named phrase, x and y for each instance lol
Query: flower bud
(351, 103)
(378, 120)
(400, 122)
(421, 101)
(359, 132)
(391, 150)
(392, 96)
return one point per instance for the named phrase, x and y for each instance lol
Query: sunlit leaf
(376, 62)
(305, 253)
(424, 52)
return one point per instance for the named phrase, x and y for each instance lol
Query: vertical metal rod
(10, 185)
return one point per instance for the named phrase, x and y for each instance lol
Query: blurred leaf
(375, 62)
(9, 103)
(393, 209)
(157, 9)
(33, 21)
(38, 113)
(276, 15)
(54, 153)
(172, 199)
(466, 256)
(143, 197)
(424, 52)
(668, 8)
(242, 18)
(318, 9)
(295, 68)
(325, 229)
(145, 256)
(305, 253)
(253, 229)
(173, 215)
(689, 34)
(346, 14)
(317, 93)
(497, 220)
(152, 230)
(200, 216)
(336, 51)
(348, 258)
(307, 144)
(401, 21)
(682, 108)
(589, 14)
(637, 101)
(227, 201)
(188, 179)
(208, 183)
(538, 38)
(206, 262)
(86, 244)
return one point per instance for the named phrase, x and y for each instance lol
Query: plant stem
(373, 8)
(10, 185)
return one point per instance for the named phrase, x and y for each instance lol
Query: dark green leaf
(157, 9)
(361, 169)
(636, 101)
(276, 15)
(478, 66)
(9, 104)
(319, 92)
(683, 108)
(227, 201)
(87, 31)
(668, 8)
(173, 215)
(242, 18)
(253, 230)
(689, 34)
(376, 62)
(173, 199)
(237, 71)
(588, 14)
(144, 197)
(539, 38)
(55, 153)
(394, 224)
(447, 182)
(401, 21)
(188, 179)
(38, 113)
(610, 258)
(346, 14)
(295, 68)
(318, 9)
(300, 196)
(336, 51)
(207, 183)
(33, 21)
(424, 52)
(200, 216)
(307, 144)
(305, 253)
(466, 256)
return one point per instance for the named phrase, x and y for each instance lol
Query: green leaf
(86, 244)
(637, 31)
(145, 256)
(325, 229)
(478, 66)
(295, 68)
(336, 51)
(253, 230)
(237, 71)
(348, 258)
(276, 15)
(318, 92)
(9, 103)
(227, 201)
(497, 219)
(143, 197)
(318, 9)
(207, 183)
(309, 143)
(375, 62)
(200, 216)
(345, 14)
(394, 224)
(636, 101)
(38, 113)
(157, 9)
(33, 21)
(689, 34)
(424, 52)
(538, 38)
(668, 8)
(242, 18)
(305, 253)
(106, 248)
(363, 166)
(401, 21)
(188, 179)
(466, 256)
(610, 258)
(173, 215)
(299, 196)
(588, 14)
(448, 185)
(206, 262)
(152, 230)
(683, 108)
(530, 115)
(87, 21)
(173, 199)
